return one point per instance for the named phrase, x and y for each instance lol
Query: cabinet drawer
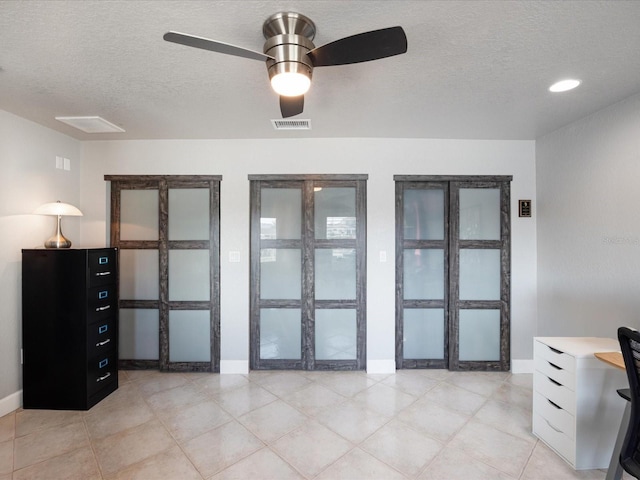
(102, 267)
(103, 301)
(555, 372)
(102, 371)
(555, 415)
(554, 391)
(555, 438)
(558, 358)
(101, 337)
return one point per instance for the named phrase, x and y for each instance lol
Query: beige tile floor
(418, 424)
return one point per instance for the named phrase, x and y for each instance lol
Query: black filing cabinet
(69, 327)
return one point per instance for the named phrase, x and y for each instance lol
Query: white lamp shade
(58, 208)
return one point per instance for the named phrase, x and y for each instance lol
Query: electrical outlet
(234, 257)
(383, 256)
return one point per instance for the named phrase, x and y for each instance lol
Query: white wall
(28, 179)
(379, 158)
(589, 224)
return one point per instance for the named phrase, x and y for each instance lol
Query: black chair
(630, 453)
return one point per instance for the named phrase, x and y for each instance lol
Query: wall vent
(284, 124)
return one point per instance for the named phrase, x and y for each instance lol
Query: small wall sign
(524, 209)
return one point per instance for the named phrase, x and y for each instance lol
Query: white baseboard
(381, 366)
(522, 366)
(10, 403)
(234, 367)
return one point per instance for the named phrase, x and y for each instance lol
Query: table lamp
(58, 209)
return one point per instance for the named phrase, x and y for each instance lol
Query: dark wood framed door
(167, 230)
(453, 272)
(308, 272)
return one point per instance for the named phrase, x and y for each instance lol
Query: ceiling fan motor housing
(290, 54)
(289, 38)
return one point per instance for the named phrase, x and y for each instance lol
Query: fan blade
(362, 47)
(290, 106)
(214, 46)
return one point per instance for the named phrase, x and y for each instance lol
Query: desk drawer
(102, 371)
(102, 267)
(555, 415)
(558, 358)
(554, 372)
(101, 337)
(557, 393)
(103, 301)
(555, 438)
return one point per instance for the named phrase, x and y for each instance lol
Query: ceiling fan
(291, 56)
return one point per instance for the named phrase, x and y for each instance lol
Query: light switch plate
(234, 257)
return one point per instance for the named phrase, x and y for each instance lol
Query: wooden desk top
(612, 358)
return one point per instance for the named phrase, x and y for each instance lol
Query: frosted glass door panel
(336, 334)
(139, 215)
(423, 214)
(424, 274)
(280, 213)
(280, 333)
(335, 271)
(139, 275)
(479, 335)
(335, 213)
(480, 214)
(189, 275)
(138, 334)
(280, 273)
(479, 274)
(189, 339)
(423, 333)
(189, 214)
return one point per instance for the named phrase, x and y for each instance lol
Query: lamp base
(57, 241)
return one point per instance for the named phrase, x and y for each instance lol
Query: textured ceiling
(474, 69)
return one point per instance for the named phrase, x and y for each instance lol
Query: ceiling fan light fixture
(290, 84)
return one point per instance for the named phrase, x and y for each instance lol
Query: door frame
(308, 244)
(452, 245)
(163, 183)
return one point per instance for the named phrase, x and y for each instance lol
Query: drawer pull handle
(555, 350)
(102, 274)
(552, 427)
(104, 377)
(554, 404)
(100, 344)
(102, 309)
(103, 260)
(555, 366)
(553, 381)
(103, 328)
(103, 363)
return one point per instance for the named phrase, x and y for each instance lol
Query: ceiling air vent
(91, 124)
(291, 124)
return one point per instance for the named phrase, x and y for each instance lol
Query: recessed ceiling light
(91, 124)
(564, 85)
